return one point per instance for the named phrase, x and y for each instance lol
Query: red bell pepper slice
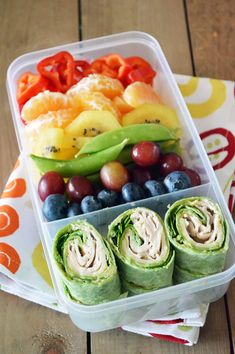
(144, 74)
(137, 62)
(59, 70)
(30, 85)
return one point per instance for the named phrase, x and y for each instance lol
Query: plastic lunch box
(156, 303)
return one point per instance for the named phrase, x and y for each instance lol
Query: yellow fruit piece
(152, 113)
(139, 93)
(95, 101)
(54, 144)
(40, 264)
(122, 105)
(92, 123)
(45, 102)
(98, 83)
(56, 119)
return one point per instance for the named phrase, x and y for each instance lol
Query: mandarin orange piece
(139, 93)
(45, 102)
(122, 105)
(98, 83)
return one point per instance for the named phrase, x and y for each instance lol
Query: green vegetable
(134, 134)
(86, 264)
(83, 166)
(144, 258)
(199, 234)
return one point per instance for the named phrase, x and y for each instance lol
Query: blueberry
(55, 207)
(176, 181)
(154, 188)
(74, 209)
(108, 198)
(132, 192)
(90, 203)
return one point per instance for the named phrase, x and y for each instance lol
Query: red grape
(50, 183)
(145, 153)
(114, 175)
(140, 175)
(169, 163)
(78, 187)
(193, 175)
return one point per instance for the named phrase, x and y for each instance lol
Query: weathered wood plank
(164, 19)
(25, 26)
(212, 30)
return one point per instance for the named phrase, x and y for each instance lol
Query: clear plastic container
(156, 303)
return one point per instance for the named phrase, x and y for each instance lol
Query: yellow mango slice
(152, 113)
(92, 123)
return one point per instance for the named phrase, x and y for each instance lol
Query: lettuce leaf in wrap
(86, 264)
(144, 257)
(199, 234)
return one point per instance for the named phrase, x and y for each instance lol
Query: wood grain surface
(29, 25)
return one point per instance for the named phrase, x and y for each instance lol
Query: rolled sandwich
(86, 264)
(144, 258)
(199, 234)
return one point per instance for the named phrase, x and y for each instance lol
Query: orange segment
(95, 101)
(9, 257)
(98, 83)
(122, 105)
(56, 119)
(139, 93)
(43, 103)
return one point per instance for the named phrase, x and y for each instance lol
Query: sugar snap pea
(134, 134)
(83, 166)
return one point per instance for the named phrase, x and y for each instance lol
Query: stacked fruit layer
(99, 134)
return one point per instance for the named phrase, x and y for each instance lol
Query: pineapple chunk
(92, 123)
(152, 113)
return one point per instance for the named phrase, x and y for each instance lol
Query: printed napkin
(23, 269)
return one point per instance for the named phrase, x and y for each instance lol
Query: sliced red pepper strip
(144, 74)
(114, 61)
(137, 62)
(30, 85)
(123, 72)
(59, 70)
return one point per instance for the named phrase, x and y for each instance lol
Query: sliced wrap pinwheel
(144, 257)
(199, 234)
(86, 264)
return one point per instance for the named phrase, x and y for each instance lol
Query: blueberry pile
(152, 176)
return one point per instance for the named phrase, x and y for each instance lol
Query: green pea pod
(86, 264)
(142, 249)
(134, 134)
(83, 166)
(199, 234)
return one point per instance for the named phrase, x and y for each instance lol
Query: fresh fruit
(108, 198)
(138, 93)
(152, 113)
(176, 181)
(132, 192)
(122, 105)
(53, 143)
(145, 153)
(114, 175)
(140, 175)
(90, 203)
(45, 102)
(154, 188)
(92, 123)
(74, 209)
(56, 119)
(95, 101)
(78, 187)
(50, 183)
(169, 163)
(55, 207)
(193, 175)
(98, 83)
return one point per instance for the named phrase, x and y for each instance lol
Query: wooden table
(198, 37)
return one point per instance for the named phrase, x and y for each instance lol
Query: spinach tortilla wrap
(86, 264)
(199, 234)
(144, 257)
